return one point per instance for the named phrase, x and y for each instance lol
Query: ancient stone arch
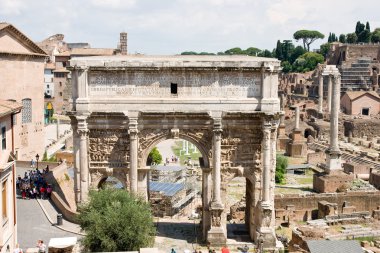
(227, 106)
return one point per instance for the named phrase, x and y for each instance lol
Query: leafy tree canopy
(375, 38)
(352, 38)
(307, 61)
(307, 37)
(115, 220)
(154, 156)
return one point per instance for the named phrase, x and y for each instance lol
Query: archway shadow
(187, 231)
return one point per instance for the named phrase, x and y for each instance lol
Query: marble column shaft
(329, 93)
(266, 161)
(320, 94)
(133, 156)
(334, 117)
(76, 144)
(83, 154)
(297, 117)
(217, 149)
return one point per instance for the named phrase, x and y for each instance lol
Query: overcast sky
(174, 26)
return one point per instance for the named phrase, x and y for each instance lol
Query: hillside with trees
(299, 58)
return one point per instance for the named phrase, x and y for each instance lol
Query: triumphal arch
(122, 106)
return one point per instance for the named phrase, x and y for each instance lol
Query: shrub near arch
(115, 220)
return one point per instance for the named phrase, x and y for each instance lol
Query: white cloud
(113, 4)
(11, 7)
(173, 26)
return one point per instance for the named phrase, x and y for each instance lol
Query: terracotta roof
(37, 51)
(65, 53)
(8, 107)
(92, 51)
(352, 95)
(50, 65)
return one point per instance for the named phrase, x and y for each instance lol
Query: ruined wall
(362, 127)
(304, 205)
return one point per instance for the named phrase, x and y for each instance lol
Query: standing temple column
(329, 94)
(297, 117)
(217, 149)
(206, 198)
(320, 94)
(133, 156)
(266, 161)
(334, 151)
(83, 155)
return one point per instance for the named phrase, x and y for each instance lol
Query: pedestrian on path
(225, 249)
(17, 249)
(172, 251)
(41, 246)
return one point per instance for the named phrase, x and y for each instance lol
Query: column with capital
(133, 156)
(217, 234)
(266, 230)
(333, 161)
(217, 149)
(83, 155)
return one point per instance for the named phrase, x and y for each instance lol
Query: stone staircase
(357, 76)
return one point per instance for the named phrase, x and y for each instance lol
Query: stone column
(217, 142)
(76, 143)
(133, 156)
(217, 234)
(266, 235)
(334, 151)
(329, 94)
(266, 160)
(83, 155)
(206, 198)
(320, 94)
(273, 166)
(297, 117)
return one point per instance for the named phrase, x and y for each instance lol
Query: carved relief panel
(108, 148)
(241, 148)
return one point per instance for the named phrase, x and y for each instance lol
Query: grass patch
(177, 150)
(304, 180)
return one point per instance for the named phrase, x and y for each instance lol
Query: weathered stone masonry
(226, 105)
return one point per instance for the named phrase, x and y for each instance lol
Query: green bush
(115, 220)
(281, 165)
(155, 156)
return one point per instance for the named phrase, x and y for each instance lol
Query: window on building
(48, 86)
(4, 199)
(60, 84)
(173, 89)
(58, 74)
(365, 111)
(60, 94)
(3, 138)
(26, 114)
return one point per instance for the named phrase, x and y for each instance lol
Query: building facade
(8, 223)
(364, 103)
(22, 79)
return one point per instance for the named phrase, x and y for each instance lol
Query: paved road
(32, 223)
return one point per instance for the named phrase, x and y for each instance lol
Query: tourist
(173, 251)
(225, 249)
(17, 249)
(49, 189)
(32, 164)
(42, 192)
(46, 170)
(41, 246)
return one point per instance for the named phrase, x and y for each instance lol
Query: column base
(216, 236)
(267, 239)
(216, 206)
(333, 161)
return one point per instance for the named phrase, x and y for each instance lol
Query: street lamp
(37, 158)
